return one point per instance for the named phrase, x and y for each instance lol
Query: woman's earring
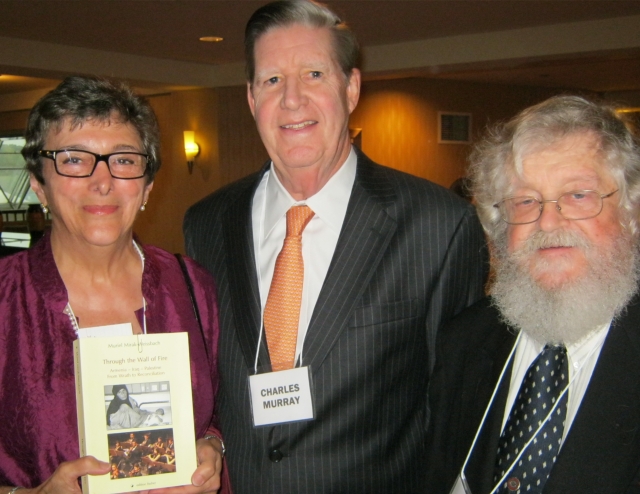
(44, 208)
(144, 206)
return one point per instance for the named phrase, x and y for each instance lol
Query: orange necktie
(282, 312)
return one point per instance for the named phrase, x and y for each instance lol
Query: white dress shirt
(582, 356)
(271, 202)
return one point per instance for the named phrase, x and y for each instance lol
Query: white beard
(570, 312)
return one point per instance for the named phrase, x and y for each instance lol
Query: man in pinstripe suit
(387, 258)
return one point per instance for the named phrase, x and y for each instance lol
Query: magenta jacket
(38, 428)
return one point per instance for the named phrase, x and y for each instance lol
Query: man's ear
(251, 100)
(353, 89)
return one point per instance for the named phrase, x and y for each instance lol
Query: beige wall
(398, 118)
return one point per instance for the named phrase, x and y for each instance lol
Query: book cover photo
(135, 411)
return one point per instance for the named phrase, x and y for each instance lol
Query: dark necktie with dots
(541, 387)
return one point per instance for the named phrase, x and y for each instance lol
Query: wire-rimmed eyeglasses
(81, 164)
(574, 205)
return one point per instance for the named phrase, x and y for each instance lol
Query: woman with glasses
(92, 151)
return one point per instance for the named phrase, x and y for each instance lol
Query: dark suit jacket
(410, 255)
(601, 453)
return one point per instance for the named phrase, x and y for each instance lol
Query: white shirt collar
(577, 350)
(329, 203)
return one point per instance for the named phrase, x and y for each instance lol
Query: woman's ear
(38, 189)
(147, 191)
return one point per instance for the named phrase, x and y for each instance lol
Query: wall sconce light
(191, 148)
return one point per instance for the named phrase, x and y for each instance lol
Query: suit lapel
(243, 278)
(365, 235)
(480, 382)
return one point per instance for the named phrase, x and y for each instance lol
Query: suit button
(275, 455)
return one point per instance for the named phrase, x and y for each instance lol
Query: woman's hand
(65, 478)
(206, 478)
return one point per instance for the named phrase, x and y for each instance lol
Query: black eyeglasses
(574, 205)
(81, 164)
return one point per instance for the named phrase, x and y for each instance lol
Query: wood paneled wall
(230, 148)
(174, 188)
(399, 129)
(399, 121)
(13, 121)
(241, 150)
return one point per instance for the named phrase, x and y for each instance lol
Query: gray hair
(80, 99)
(285, 13)
(497, 159)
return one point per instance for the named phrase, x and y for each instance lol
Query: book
(135, 410)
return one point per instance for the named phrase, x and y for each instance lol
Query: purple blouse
(38, 427)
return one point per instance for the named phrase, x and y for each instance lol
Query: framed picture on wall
(454, 128)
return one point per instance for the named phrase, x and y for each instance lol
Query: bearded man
(536, 388)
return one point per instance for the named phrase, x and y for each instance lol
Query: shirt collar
(329, 203)
(581, 349)
(577, 350)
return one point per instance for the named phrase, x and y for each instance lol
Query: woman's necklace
(72, 317)
(74, 321)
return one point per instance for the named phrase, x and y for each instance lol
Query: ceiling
(577, 44)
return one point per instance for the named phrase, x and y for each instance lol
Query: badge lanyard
(74, 321)
(259, 262)
(283, 396)
(260, 236)
(461, 478)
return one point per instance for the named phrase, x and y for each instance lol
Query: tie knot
(558, 350)
(297, 219)
(551, 360)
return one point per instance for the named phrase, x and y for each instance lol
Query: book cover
(135, 410)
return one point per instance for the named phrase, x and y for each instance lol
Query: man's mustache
(558, 238)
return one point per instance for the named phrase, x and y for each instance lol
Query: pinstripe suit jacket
(410, 256)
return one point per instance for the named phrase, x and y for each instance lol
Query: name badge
(124, 329)
(281, 397)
